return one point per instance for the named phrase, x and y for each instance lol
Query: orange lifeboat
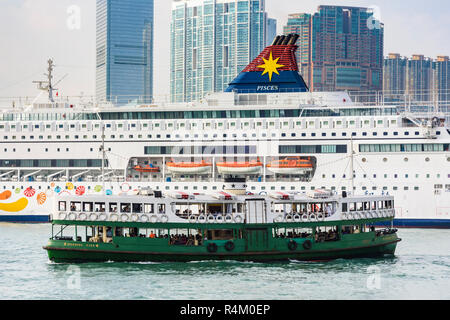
(189, 167)
(146, 169)
(246, 167)
(291, 165)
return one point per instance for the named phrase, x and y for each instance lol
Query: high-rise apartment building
(419, 82)
(212, 41)
(441, 69)
(394, 74)
(341, 48)
(124, 50)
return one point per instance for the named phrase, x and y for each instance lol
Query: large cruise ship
(266, 127)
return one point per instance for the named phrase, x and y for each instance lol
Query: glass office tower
(341, 48)
(212, 41)
(124, 51)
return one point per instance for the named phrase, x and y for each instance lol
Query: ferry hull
(89, 252)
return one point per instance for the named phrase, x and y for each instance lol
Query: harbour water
(420, 270)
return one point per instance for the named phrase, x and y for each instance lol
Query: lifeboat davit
(189, 167)
(291, 165)
(247, 167)
(147, 168)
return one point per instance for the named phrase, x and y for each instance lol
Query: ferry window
(75, 206)
(137, 207)
(344, 207)
(352, 206)
(87, 206)
(62, 206)
(113, 207)
(100, 207)
(125, 207)
(161, 208)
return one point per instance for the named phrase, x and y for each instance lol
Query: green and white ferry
(229, 225)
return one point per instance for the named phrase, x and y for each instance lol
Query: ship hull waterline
(139, 250)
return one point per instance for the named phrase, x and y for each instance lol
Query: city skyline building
(271, 31)
(341, 48)
(441, 68)
(394, 73)
(419, 82)
(124, 50)
(212, 41)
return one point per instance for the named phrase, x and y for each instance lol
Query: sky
(32, 31)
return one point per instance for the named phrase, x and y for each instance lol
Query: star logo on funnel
(271, 66)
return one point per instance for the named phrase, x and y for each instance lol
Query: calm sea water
(420, 270)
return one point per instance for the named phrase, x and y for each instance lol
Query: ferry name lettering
(267, 88)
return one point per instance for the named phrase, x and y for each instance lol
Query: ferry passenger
(72, 207)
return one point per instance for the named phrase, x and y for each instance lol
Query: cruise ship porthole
(364, 160)
(385, 160)
(448, 159)
(427, 159)
(406, 159)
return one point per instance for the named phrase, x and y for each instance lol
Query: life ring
(192, 219)
(278, 219)
(134, 217)
(212, 247)
(164, 218)
(238, 219)
(211, 219)
(229, 246)
(288, 218)
(93, 217)
(72, 216)
(219, 218)
(124, 217)
(82, 216)
(307, 245)
(62, 216)
(297, 218)
(103, 217)
(122, 187)
(201, 218)
(153, 219)
(292, 245)
(228, 218)
(114, 217)
(144, 218)
(305, 218)
(344, 216)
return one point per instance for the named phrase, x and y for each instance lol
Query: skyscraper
(271, 31)
(300, 23)
(341, 48)
(211, 42)
(394, 77)
(420, 78)
(442, 80)
(124, 50)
